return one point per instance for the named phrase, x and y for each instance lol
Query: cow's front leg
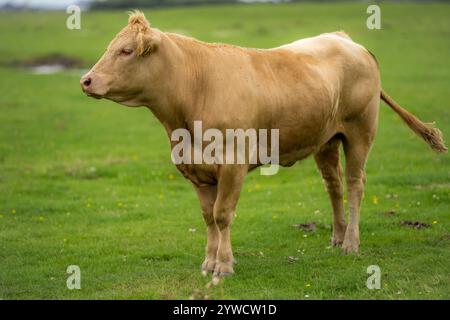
(207, 196)
(231, 178)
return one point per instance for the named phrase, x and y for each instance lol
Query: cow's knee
(208, 217)
(223, 218)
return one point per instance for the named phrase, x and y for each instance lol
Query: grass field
(91, 183)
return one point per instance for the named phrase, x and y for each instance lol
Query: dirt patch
(389, 213)
(89, 173)
(292, 259)
(54, 58)
(415, 224)
(158, 258)
(199, 294)
(432, 186)
(48, 64)
(249, 253)
(309, 226)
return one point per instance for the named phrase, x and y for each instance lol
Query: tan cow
(319, 92)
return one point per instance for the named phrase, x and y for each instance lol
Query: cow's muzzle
(88, 85)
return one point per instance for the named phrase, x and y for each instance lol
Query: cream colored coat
(319, 92)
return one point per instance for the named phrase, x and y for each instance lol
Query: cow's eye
(126, 52)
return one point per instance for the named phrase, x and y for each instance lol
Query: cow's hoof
(336, 241)
(350, 246)
(208, 266)
(223, 269)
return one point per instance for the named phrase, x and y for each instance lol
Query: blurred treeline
(124, 4)
(120, 4)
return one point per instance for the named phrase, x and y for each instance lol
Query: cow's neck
(176, 103)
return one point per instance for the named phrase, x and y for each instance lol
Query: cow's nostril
(87, 82)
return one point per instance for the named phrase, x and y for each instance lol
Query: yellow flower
(375, 200)
(307, 285)
(435, 222)
(13, 211)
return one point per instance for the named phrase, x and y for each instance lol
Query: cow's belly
(301, 145)
(289, 158)
(199, 174)
(304, 128)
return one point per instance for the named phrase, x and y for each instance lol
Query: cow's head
(128, 66)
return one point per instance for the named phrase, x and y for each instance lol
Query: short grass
(90, 183)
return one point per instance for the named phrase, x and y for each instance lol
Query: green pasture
(90, 183)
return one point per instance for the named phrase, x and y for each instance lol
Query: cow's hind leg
(207, 196)
(357, 144)
(327, 160)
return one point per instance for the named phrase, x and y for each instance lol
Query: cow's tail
(431, 135)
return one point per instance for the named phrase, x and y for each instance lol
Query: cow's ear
(147, 42)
